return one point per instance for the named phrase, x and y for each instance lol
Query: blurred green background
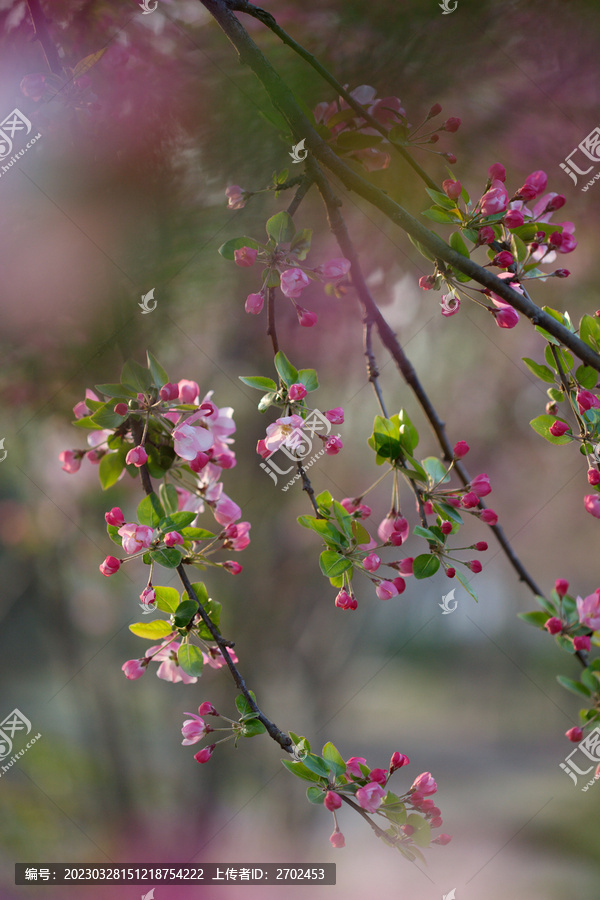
(127, 194)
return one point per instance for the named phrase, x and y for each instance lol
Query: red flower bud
(561, 586)
(481, 546)
(561, 273)
(475, 566)
(559, 428)
(446, 527)
(593, 476)
(452, 188)
(504, 259)
(574, 734)
(582, 642)
(450, 572)
(553, 625)
(434, 111)
(461, 448)
(452, 124)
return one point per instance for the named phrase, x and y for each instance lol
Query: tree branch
(285, 102)
(40, 29)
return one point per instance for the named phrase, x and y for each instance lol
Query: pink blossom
(193, 729)
(380, 776)
(497, 172)
(588, 610)
(237, 537)
(262, 449)
(169, 391)
(293, 282)
(335, 415)
(450, 304)
(426, 282)
(452, 188)
(372, 159)
(80, 409)
(370, 796)
(71, 461)
(405, 566)
(495, 200)
(507, 317)
(333, 446)
(306, 317)
(114, 516)
(232, 567)
(586, 400)
(188, 391)
(190, 440)
(110, 565)
(353, 766)
(337, 840)
(371, 562)
(514, 218)
(461, 448)
(226, 511)
(385, 590)
(387, 110)
(538, 181)
(207, 709)
(148, 596)
(235, 195)
(332, 801)
(169, 669)
(215, 659)
(344, 600)
(200, 461)
(133, 669)
(335, 268)
(352, 505)
(254, 304)
(137, 456)
(203, 756)
(245, 256)
(425, 784)
(442, 839)
(282, 432)
(173, 538)
(592, 504)
(135, 537)
(480, 485)
(489, 517)
(398, 760)
(297, 392)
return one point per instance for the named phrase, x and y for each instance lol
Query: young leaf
(259, 382)
(536, 618)
(168, 557)
(84, 65)
(541, 424)
(185, 612)
(287, 372)
(425, 565)
(152, 631)
(167, 598)
(252, 727)
(300, 770)
(116, 391)
(150, 511)
(110, 468)
(135, 376)
(159, 375)
(333, 564)
(308, 377)
(176, 521)
(315, 794)
(169, 498)
(190, 659)
(227, 250)
(574, 686)
(281, 227)
(540, 371)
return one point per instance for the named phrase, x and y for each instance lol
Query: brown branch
(271, 329)
(284, 740)
(284, 101)
(40, 28)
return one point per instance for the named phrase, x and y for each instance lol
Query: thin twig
(271, 329)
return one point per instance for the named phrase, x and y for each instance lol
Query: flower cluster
(407, 819)
(282, 259)
(519, 237)
(195, 728)
(353, 135)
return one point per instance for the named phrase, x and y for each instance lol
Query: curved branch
(285, 102)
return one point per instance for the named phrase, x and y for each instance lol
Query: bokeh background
(127, 194)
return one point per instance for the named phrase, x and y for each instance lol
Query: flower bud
(337, 840)
(442, 839)
(593, 476)
(489, 517)
(115, 517)
(169, 391)
(133, 668)
(561, 273)
(306, 318)
(110, 565)
(245, 256)
(559, 428)
(497, 172)
(506, 317)
(200, 460)
(574, 734)
(203, 756)
(332, 801)
(561, 586)
(452, 124)
(470, 500)
(207, 709)
(345, 601)
(592, 505)
(481, 546)
(398, 760)
(333, 446)
(254, 304)
(400, 584)
(335, 415)
(450, 572)
(553, 625)
(475, 566)
(385, 590)
(446, 527)
(514, 218)
(582, 642)
(504, 259)
(452, 188)
(297, 392)
(555, 203)
(172, 538)
(450, 156)
(121, 409)
(233, 567)
(137, 456)
(434, 111)
(371, 562)
(552, 408)
(461, 448)
(486, 234)
(426, 282)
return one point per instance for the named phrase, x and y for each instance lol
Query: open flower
(135, 537)
(370, 796)
(588, 610)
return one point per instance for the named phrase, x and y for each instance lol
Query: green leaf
(135, 376)
(441, 199)
(386, 438)
(243, 706)
(113, 534)
(466, 584)
(324, 499)
(300, 770)
(564, 643)
(539, 370)
(252, 727)
(266, 401)
(440, 216)
(196, 534)
(213, 610)
(536, 618)
(457, 243)
(169, 498)
(422, 833)
(227, 250)
(409, 436)
(167, 598)
(344, 519)
(448, 512)
(425, 565)
(333, 564)
(589, 679)
(436, 470)
(331, 753)
(157, 372)
(190, 659)
(185, 612)
(361, 535)
(199, 589)
(354, 140)
(116, 391)
(287, 372)
(328, 531)
(259, 382)
(589, 332)
(541, 425)
(308, 377)
(565, 359)
(574, 686)
(152, 631)
(281, 227)
(167, 557)
(150, 511)
(317, 765)
(106, 417)
(428, 534)
(586, 376)
(176, 521)
(110, 468)
(300, 245)
(315, 794)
